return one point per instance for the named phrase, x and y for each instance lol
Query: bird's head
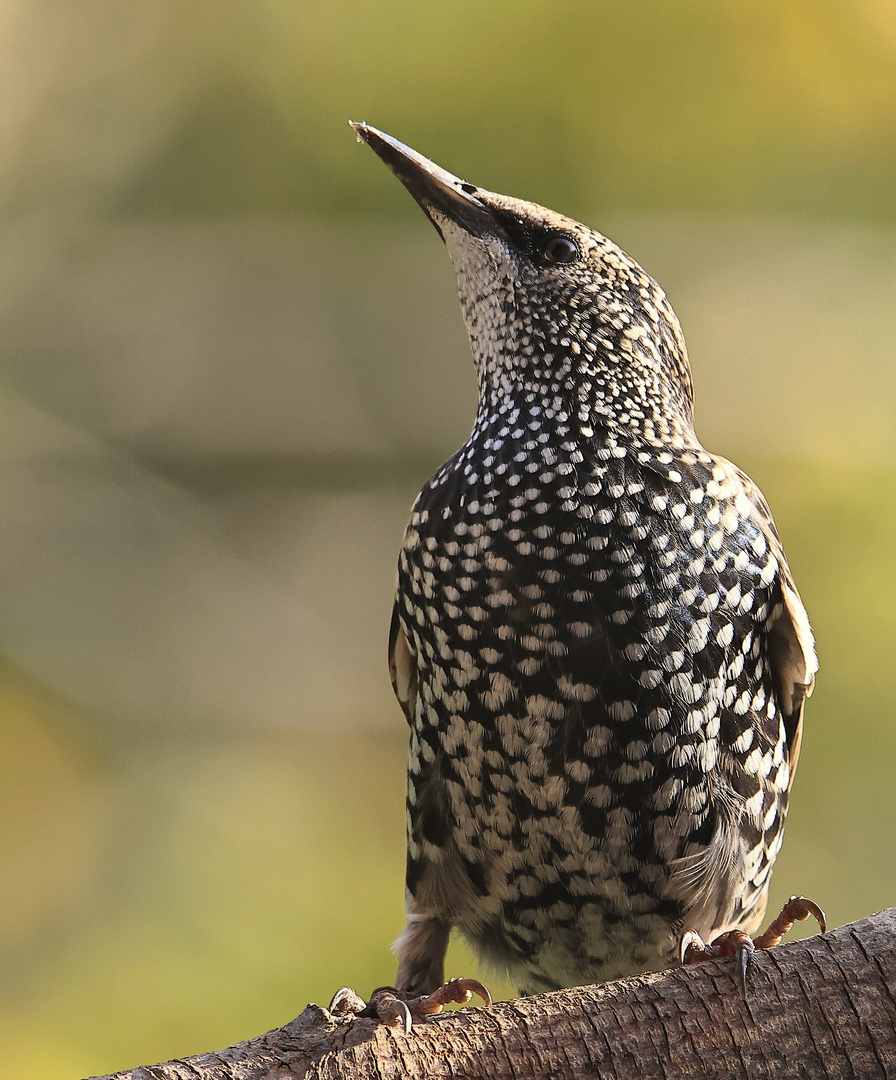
(551, 306)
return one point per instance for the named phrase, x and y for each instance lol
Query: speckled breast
(594, 703)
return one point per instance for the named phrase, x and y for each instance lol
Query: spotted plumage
(596, 640)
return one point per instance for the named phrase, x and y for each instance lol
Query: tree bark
(823, 1007)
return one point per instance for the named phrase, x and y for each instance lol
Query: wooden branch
(823, 1007)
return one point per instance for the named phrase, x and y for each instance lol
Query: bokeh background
(230, 355)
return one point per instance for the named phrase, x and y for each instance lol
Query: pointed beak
(441, 195)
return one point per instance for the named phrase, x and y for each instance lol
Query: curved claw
(480, 990)
(692, 948)
(391, 1010)
(345, 1002)
(744, 950)
(814, 910)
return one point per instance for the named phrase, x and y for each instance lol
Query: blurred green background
(230, 355)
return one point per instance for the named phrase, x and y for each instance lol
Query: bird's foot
(397, 1009)
(693, 949)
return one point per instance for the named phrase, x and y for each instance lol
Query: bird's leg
(693, 949)
(421, 955)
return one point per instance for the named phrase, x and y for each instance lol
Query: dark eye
(559, 249)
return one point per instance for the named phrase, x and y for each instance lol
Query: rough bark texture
(823, 1007)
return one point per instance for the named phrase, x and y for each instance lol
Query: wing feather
(791, 648)
(402, 668)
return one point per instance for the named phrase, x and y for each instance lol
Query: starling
(596, 639)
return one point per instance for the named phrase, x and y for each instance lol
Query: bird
(596, 640)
